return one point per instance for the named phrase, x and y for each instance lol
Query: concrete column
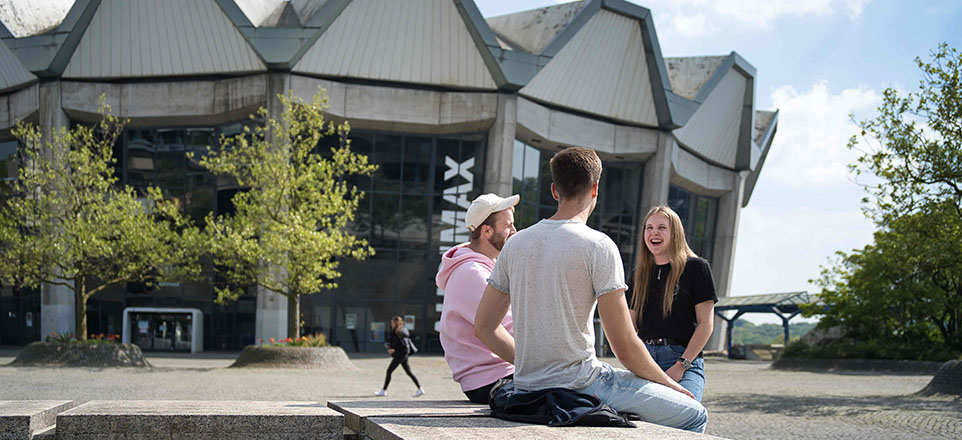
(271, 314)
(57, 303)
(726, 230)
(654, 190)
(501, 136)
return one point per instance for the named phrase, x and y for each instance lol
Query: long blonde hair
(679, 253)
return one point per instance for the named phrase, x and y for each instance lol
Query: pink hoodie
(463, 277)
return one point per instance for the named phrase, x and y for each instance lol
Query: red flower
(262, 340)
(272, 340)
(289, 340)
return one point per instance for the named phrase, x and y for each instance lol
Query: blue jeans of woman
(693, 379)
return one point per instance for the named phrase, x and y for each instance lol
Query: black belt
(664, 341)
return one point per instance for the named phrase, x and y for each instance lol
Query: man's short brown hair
(476, 233)
(574, 170)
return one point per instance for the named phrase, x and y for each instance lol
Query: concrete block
(357, 412)
(458, 428)
(18, 105)
(174, 419)
(24, 419)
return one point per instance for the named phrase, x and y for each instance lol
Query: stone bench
(27, 419)
(458, 420)
(202, 420)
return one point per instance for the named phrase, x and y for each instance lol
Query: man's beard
(497, 241)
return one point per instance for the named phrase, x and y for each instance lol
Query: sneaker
(418, 393)
(381, 393)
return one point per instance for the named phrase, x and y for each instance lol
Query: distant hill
(747, 332)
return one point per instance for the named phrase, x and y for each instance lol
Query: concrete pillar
(501, 136)
(654, 190)
(271, 314)
(726, 229)
(57, 303)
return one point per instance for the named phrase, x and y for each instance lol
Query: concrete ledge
(205, 420)
(458, 420)
(459, 428)
(25, 419)
(918, 368)
(356, 413)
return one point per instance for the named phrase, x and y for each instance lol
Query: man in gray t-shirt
(552, 275)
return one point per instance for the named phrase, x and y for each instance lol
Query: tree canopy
(66, 221)
(290, 224)
(906, 287)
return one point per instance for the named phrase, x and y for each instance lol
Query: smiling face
(658, 236)
(503, 227)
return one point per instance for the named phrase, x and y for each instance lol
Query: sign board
(142, 326)
(409, 322)
(377, 332)
(29, 318)
(350, 321)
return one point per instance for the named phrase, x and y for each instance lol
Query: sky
(818, 62)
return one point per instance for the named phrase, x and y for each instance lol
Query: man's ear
(594, 190)
(554, 193)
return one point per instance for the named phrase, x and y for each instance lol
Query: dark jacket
(400, 341)
(553, 407)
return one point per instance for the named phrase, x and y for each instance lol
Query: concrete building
(448, 103)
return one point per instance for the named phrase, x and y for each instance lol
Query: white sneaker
(418, 393)
(381, 393)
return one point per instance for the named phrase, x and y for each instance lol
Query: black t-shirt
(694, 286)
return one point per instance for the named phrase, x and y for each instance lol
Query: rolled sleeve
(607, 270)
(499, 276)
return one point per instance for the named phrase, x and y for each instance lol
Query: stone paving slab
(176, 419)
(22, 419)
(357, 411)
(483, 428)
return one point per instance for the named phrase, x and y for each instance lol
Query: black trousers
(402, 361)
(480, 395)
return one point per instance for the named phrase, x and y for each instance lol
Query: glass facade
(412, 212)
(698, 214)
(619, 198)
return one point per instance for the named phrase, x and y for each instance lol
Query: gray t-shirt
(554, 272)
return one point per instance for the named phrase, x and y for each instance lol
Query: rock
(44, 354)
(947, 381)
(293, 357)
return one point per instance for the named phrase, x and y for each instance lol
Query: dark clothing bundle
(695, 286)
(553, 407)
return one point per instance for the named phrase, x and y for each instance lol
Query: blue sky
(818, 61)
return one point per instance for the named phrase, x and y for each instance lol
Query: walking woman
(672, 299)
(400, 347)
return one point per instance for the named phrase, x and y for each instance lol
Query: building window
(618, 200)
(698, 215)
(9, 166)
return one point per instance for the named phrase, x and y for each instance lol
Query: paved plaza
(745, 399)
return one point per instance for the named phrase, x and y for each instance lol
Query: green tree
(906, 287)
(68, 223)
(289, 228)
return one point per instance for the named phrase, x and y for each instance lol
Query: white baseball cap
(485, 205)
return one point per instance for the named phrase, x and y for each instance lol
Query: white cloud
(758, 13)
(690, 25)
(780, 249)
(814, 127)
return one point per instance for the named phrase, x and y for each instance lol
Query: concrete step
(24, 419)
(357, 412)
(201, 420)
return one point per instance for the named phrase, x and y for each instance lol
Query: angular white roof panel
(713, 130)
(25, 18)
(533, 30)
(602, 71)
(411, 41)
(147, 38)
(689, 74)
(12, 73)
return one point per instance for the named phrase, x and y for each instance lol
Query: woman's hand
(390, 351)
(676, 372)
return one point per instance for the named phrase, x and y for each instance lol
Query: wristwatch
(685, 362)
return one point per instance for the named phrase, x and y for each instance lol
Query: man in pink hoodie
(463, 276)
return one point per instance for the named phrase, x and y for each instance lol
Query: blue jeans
(654, 403)
(693, 379)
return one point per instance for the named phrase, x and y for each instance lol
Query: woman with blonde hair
(672, 299)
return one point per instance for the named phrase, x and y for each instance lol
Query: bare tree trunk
(293, 316)
(80, 307)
